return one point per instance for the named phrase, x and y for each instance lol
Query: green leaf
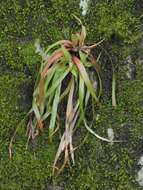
(55, 83)
(51, 73)
(54, 110)
(85, 77)
(36, 111)
(87, 97)
(60, 42)
(83, 58)
(66, 91)
(45, 116)
(66, 54)
(74, 71)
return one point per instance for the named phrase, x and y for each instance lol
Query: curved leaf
(66, 43)
(54, 110)
(85, 77)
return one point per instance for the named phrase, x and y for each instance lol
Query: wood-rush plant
(64, 76)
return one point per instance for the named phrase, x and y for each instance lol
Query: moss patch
(98, 165)
(28, 168)
(24, 21)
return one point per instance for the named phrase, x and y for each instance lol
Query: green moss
(23, 22)
(98, 165)
(28, 168)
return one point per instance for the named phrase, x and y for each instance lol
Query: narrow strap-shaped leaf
(66, 91)
(81, 116)
(44, 73)
(66, 54)
(83, 57)
(85, 77)
(50, 75)
(49, 101)
(54, 110)
(69, 109)
(92, 46)
(57, 82)
(76, 114)
(60, 69)
(98, 136)
(46, 115)
(50, 97)
(38, 117)
(81, 95)
(60, 150)
(36, 111)
(66, 43)
(41, 93)
(78, 19)
(87, 97)
(74, 71)
(54, 57)
(72, 116)
(82, 36)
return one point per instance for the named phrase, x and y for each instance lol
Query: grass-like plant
(64, 81)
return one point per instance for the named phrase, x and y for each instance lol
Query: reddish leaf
(50, 61)
(85, 76)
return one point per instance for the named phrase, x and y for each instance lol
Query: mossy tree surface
(98, 165)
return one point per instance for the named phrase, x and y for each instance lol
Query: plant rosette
(64, 75)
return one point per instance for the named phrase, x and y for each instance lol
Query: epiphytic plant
(64, 75)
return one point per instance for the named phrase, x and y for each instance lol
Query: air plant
(64, 75)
